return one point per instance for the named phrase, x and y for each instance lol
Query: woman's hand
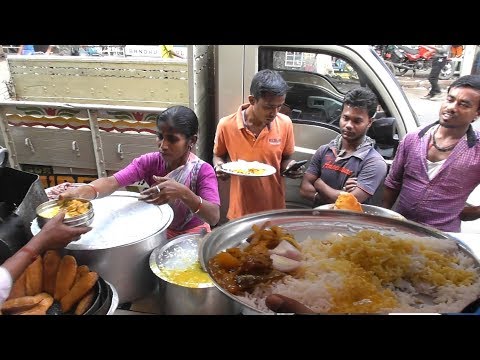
(86, 191)
(164, 191)
(70, 193)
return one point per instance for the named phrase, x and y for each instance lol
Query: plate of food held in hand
(248, 168)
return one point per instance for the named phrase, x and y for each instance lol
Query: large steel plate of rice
(350, 263)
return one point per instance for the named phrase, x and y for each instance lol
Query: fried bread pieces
(41, 308)
(347, 201)
(24, 303)
(51, 262)
(79, 290)
(81, 270)
(18, 288)
(34, 277)
(84, 304)
(65, 276)
(49, 276)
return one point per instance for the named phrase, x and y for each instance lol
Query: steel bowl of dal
(79, 212)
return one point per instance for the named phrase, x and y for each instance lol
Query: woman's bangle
(315, 197)
(199, 206)
(94, 189)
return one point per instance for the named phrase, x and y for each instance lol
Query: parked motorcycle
(404, 58)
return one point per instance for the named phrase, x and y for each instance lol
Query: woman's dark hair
(268, 82)
(362, 98)
(181, 118)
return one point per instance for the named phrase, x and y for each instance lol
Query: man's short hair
(268, 82)
(362, 97)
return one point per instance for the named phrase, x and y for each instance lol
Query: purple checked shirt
(437, 202)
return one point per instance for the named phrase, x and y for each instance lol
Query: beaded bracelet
(199, 206)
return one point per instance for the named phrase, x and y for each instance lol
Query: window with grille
(293, 59)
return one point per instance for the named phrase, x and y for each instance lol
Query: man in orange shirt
(257, 132)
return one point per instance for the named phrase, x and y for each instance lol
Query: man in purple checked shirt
(435, 169)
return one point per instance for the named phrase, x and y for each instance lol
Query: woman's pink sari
(186, 175)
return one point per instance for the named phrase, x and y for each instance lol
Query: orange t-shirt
(253, 194)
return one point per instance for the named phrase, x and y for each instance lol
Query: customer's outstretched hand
(282, 304)
(56, 235)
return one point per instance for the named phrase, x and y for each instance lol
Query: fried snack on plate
(23, 303)
(347, 201)
(18, 288)
(51, 262)
(78, 291)
(34, 277)
(41, 308)
(81, 270)
(85, 303)
(65, 276)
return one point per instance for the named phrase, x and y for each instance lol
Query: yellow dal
(192, 276)
(50, 213)
(73, 207)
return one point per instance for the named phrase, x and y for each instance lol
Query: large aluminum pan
(302, 223)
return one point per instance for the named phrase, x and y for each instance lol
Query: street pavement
(427, 112)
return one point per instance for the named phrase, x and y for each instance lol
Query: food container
(185, 289)
(125, 231)
(50, 208)
(317, 224)
(368, 209)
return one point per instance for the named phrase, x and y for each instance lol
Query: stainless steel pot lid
(177, 262)
(120, 220)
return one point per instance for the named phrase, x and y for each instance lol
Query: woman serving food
(175, 175)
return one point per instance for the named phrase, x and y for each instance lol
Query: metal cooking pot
(317, 224)
(191, 292)
(125, 231)
(24, 190)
